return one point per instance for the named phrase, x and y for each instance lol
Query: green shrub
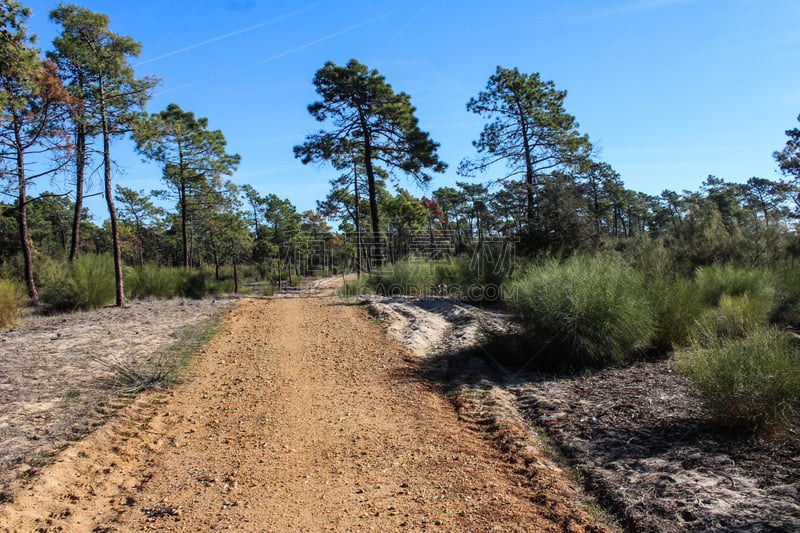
(355, 287)
(57, 292)
(45, 268)
(734, 317)
(411, 276)
(786, 308)
(583, 313)
(197, 285)
(245, 290)
(155, 281)
(479, 278)
(751, 382)
(248, 272)
(221, 286)
(292, 280)
(87, 283)
(12, 302)
(676, 309)
(264, 288)
(476, 278)
(647, 255)
(92, 277)
(715, 281)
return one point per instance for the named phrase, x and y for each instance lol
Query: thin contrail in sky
(323, 39)
(280, 55)
(231, 34)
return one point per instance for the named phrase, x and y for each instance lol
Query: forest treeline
(534, 179)
(595, 273)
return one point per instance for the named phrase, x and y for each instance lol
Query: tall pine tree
(370, 125)
(193, 158)
(112, 95)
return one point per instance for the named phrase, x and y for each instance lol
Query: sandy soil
(59, 378)
(650, 449)
(302, 415)
(638, 435)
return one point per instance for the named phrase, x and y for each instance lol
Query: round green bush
(154, 281)
(715, 281)
(676, 308)
(587, 312)
(87, 283)
(751, 382)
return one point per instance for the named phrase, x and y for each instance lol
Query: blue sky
(669, 90)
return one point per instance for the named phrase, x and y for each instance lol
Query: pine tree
(193, 158)
(32, 106)
(371, 124)
(111, 95)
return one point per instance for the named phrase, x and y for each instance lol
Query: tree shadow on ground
(643, 443)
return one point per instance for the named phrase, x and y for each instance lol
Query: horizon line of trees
(544, 189)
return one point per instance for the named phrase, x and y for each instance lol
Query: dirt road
(301, 415)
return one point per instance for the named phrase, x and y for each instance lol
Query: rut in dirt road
(299, 415)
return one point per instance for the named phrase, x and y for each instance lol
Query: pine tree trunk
(112, 210)
(22, 221)
(80, 176)
(357, 223)
(235, 276)
(214, 255)
(184, 225)
(530, 182)
(378, 257)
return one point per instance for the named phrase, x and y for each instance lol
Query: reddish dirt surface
(301, 415)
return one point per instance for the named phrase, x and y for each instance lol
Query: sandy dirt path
(301, 415)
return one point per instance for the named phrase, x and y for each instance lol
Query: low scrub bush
(201, 283)
(583, 313)
(155, 281)
(751, 382)
(286, 279)
(715, 281)
(412, 276)
(733, 317)
(12, 302)
(355, 287)
(249, 272)
(198, 285)
(479, 277)
(647, 255)
(244, 290)
(87, 283)
(263, 288)
(222, 286)
(786, 308)
(676, 309)
(476, 278)
(93, 281)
